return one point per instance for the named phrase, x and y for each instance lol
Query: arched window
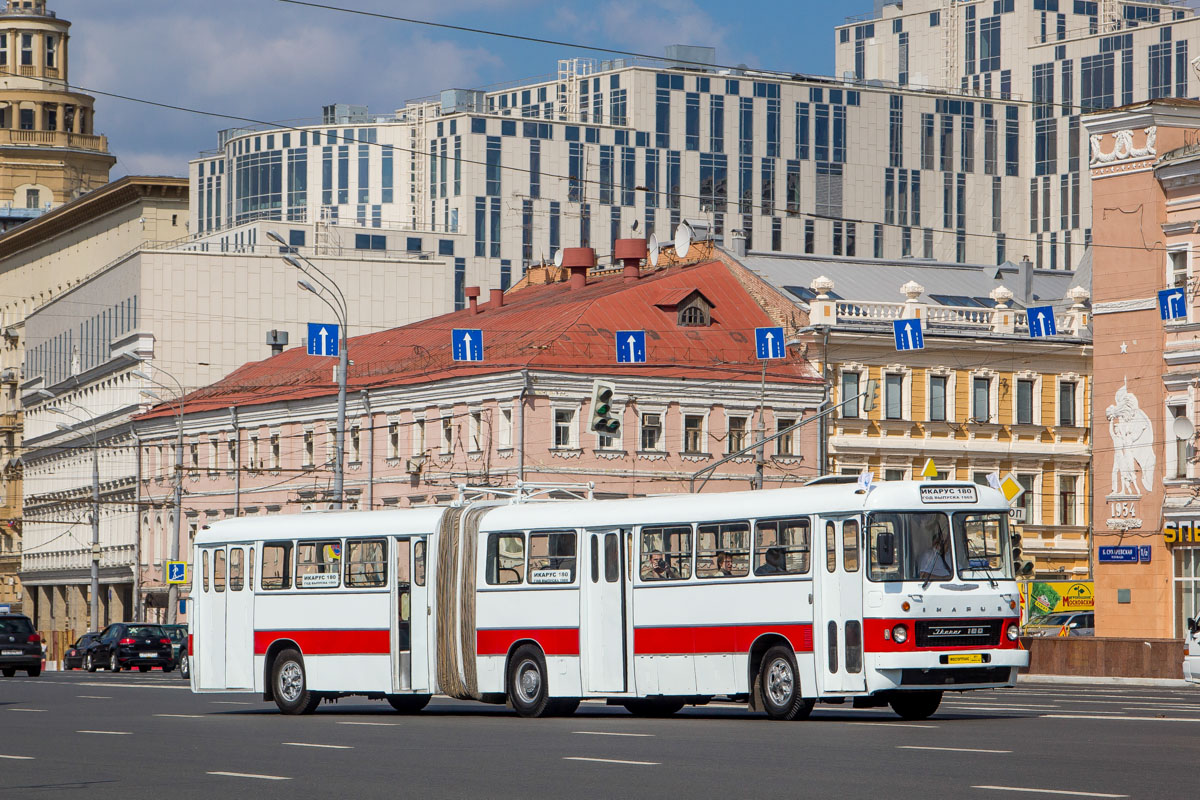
(693, 316)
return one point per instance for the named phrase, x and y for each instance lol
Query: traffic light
(871, 396)
(604, 421)
(1022, 567)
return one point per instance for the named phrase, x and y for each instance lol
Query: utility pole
(94, 610)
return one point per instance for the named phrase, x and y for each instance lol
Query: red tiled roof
(673, 297)
(549, 327)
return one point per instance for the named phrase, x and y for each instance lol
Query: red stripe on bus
(329, 642)
(874, 640)
(191, 647)
(553, 641)
(705, 639)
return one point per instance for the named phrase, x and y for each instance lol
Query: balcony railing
(64, 139)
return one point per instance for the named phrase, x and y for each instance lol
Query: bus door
(211, 648)
(603, 637)
(419, 619)
(239, 620)
(837, 620)
(402, 617)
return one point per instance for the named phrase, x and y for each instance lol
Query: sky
(270, 60)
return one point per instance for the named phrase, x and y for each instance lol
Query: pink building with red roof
(420, 424)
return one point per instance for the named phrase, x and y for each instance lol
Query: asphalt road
(146, 735)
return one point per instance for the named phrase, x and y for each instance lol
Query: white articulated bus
(778, 598)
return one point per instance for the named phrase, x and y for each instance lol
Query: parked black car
(73, 658)
(20, 646)
(123, 645)
(178, 634)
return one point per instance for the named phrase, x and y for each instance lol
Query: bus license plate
(148, 655)
(972, 658)
(10, 653)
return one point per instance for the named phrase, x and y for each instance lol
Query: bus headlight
(900, 634)
(1013, 633)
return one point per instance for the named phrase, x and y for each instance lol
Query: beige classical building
(49, 151)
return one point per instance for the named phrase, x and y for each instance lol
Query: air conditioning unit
(414, 465)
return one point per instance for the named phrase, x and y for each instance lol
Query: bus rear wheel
(653, 708)
(289, 685)
(408, 703)
(528, 691)
(779, 686)
(915, 705)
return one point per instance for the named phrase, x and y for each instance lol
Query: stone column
(60, 118)
(39, 116)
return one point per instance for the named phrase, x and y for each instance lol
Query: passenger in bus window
(725, 565)
(774, 564)
(656, 568)
(934, 563)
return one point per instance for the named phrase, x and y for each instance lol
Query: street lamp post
(173, 547)
(94, 605)
(336, 300)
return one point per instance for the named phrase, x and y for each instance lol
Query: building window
(785, 445)
(418, 437)
(506, 428)
(26, 49)
(1066, 404)
(981, 390)
(1027, 501)
(393, 439)
(447, 435)
(736, 441)
(1178, 277)
(1024, 401)
(1182, 446)
(651, 433)
(937, 398)
(564, 428)
(893, 396)
(850, 382)
(33, 198)
(1187, 587)
(693, 433)
(1066, 499)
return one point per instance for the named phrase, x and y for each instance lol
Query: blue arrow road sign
(908, 334)
(1041, 322)
(322, 339)
(631, 347)
(768, 342)
(467, 344)
(1171, 304)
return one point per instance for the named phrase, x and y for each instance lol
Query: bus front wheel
(527, 688)
(915, 705)
(779, 686)
(408, 703)
(290, 685)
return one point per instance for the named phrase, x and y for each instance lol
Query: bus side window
(830, 546)
(235, 569)
(403, 577)
(667, 553)
(419, 563)
(552, 557)
(204, 571)
(277, 566)
(612, 562)
(781, 546)
(595, 558)
(723, 550)
(850, 545)
(505, 559)
(318, 564)
(366, 562)
(250, 569)
(219, 570)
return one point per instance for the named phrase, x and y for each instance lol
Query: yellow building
(981, 397)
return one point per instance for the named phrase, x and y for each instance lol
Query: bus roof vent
(831, 479)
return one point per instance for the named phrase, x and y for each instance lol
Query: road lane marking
(33, 710)
(109, 733)
(181, 716)
(888, 724)
(613, 761)
(229, 703)
(1047, 791)
(611, 733)
(18, 758)
(1121, 718)
(251, 775)
(93, 697)
(326, 746)
(949, 749)
(380, 724)
(972, 707)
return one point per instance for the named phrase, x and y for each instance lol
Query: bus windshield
(921, 546)
(981, 540)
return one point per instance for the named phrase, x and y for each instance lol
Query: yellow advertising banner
(1053, 597)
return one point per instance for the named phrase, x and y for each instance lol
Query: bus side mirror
(885, 548)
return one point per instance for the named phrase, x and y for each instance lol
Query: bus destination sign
(948, 494)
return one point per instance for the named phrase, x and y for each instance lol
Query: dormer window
(692, 309)
(693, 317)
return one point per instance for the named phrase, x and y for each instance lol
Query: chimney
(472, 293)
(1025, 281)
(630, 253)
(277, 341)
(578, 260)
(496, 299)
(739, 243)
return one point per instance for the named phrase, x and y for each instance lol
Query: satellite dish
(683, 240)
(558, 258)
(1183, 428)
(654, 250)
(634, 226)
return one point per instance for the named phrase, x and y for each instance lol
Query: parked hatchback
(73, 658)
(178, 635)
(20, 646)
(1080, 623)
(124, 645)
